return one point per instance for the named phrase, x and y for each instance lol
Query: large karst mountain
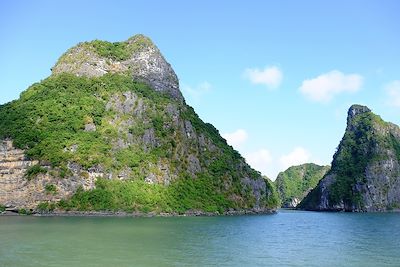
(365, 172)
(110, 130)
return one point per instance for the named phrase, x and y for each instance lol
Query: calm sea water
(289, 238)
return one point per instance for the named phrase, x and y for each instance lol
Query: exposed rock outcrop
(20, 192)
(139, 58)
(365, 173)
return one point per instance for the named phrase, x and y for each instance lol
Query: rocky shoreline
(191, 213)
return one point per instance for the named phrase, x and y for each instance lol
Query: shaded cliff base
(56, 213)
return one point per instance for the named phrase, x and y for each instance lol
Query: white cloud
(324, 87)
(298, 156)
(197, 91)
(393, 94)
(237, 138)
(262, 159)
(269, 76)
(259, 160)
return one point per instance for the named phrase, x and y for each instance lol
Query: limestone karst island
(200, 133)
(109, 131)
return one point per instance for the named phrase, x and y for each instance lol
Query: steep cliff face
(365, 173)
(18, 190)
(109, 130)
(137, 57)
(13, 166)
(296, 182)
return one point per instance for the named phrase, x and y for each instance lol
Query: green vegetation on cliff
(273, 199)
(174, 161)
(351, 159)
(294, 183)
(365, 168)
(33, 171)
(358, 149)
(51, 116)
(118, 51)
(136, 195)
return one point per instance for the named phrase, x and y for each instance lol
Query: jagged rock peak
(355, 110)
(138, 57)
(141, 40)
(365, 173)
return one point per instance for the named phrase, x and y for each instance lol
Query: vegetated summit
(293, 184)
(365, 172)
(109, 130)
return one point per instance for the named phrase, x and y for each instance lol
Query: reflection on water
(289, 238)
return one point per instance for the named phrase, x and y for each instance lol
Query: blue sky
(275, 77)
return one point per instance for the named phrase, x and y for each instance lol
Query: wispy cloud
(236, 138)
(259, 160)
(271, 76)
(392, 90)
(263, 160)
(326, 86)
(298, 155)
(196, 92)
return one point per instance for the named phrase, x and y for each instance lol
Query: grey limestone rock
(194, 164)
(292, 203)
(151, 178)
(355, 110)
(149, 139)
(145, 64)
(149, 65)
(18, 192)
(90, 127)
(372, 147)
(257, 188)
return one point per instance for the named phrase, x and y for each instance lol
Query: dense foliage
(51, 116)
(368, 140)
(116, 51)
(49, 121)
(297, 181)
(352, 157)
(273, 199)
(136, 195)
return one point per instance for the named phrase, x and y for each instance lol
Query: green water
(288, 238)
